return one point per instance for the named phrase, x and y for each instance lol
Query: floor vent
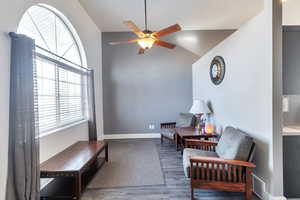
(259, 186)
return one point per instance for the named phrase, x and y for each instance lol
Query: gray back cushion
(185, 120)
(234, 144)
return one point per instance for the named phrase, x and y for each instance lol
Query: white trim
(265, 195)
(72, 30)
(290, 133)
(63, 128)
(261, 182)
(44, 182)
(276, 198)
(131, 136)
(268, 196)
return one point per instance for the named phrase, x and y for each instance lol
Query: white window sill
(63, 128)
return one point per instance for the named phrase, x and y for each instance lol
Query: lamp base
(198, 123)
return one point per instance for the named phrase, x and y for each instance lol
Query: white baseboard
(44, 182)
(267, 196)
(277, 197)
(131, 136)
(259, 188)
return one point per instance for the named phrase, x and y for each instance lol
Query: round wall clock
(217, 70)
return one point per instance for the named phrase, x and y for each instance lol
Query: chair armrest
(201, 144)
(198, 159)
(168, 125)
(220, 170)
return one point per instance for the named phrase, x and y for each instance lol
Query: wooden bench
(72, 169)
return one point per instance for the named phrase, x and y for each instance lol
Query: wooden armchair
(168, 132)
(168, 129)
(204, 145)
(218, 173)
(168, 125)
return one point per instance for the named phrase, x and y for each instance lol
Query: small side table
(191, 133)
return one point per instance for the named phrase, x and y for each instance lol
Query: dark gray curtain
(91, 105)
(23, 159)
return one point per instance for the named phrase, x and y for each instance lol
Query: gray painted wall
(291, 165)
(291, 60)
(291, 73)
(140, 90)
(250, 95)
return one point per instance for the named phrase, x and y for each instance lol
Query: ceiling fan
(146, 39)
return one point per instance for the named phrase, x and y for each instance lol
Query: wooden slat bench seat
(74, 162)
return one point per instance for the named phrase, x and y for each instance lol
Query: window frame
(62, 65)
(68, 27)
(73, 67)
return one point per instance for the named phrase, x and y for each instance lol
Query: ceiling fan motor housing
(148, 32)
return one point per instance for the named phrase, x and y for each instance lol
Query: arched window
(51, 32)
(61, 83)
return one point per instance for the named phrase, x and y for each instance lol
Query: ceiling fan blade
(142, 51)
(123, 42)
(165, 44)
(134, 28)
(166, 31)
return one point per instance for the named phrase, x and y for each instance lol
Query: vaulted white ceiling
(190, 14)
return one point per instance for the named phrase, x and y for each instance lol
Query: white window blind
(61, 84)
(61, 95)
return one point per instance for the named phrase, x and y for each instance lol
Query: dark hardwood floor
(176, 186)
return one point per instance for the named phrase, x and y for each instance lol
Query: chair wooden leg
(249, 188)
(182, 145)
(161, 138)
(248, 195)
(192, 193)
(176, 142)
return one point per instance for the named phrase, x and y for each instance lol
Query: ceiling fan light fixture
(146, 43)
(147, 38)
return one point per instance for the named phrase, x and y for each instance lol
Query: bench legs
(106, 153)
(78, 185)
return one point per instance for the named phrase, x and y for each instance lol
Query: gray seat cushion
(168, 132)
(234, 144)
(187, 153)
(186, 120)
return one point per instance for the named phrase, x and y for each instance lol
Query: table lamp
(199, 108)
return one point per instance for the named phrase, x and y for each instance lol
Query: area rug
(131, 163)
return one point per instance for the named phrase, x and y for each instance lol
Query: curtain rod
(62, 58)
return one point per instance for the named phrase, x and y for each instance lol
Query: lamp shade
(199, 107)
